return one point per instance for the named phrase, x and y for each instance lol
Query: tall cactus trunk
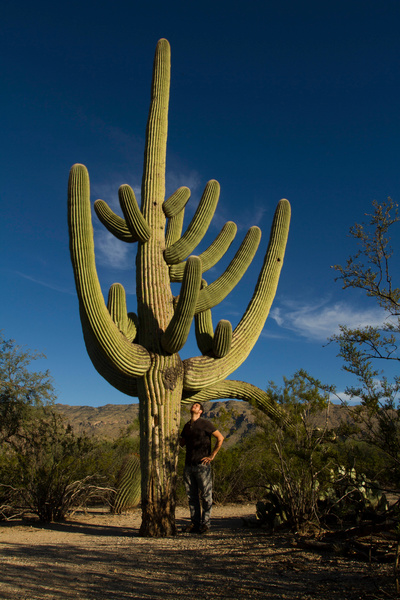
(159, 422)
(160, 390)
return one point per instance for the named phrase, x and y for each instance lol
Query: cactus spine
(139, 354)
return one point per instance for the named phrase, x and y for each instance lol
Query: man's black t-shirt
(197, 436)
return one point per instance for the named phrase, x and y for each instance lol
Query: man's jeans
(198, 484)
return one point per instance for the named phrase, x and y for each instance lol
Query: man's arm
(220, 438)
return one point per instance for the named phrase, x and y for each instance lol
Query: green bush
(48, 469)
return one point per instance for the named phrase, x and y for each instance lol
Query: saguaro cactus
(139, 354)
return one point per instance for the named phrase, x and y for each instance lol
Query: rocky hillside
(235, 419)
(232, 417)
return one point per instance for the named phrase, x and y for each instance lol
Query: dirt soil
(96, 556)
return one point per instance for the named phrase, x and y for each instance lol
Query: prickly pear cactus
(139, 353)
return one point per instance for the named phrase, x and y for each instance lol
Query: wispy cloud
(111, 252)
(108, 191)
(319, 321)
(175, 180)
(340, 397)
(46, 284)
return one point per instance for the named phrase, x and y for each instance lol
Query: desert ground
(95, 555)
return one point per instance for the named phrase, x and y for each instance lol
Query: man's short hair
(201, 406)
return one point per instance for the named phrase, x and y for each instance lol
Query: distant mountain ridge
(235, 419)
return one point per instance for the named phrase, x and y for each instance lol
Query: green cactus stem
(114, 223)
(176, 202)
(212, 255)
(131, 331)
(117, 307)
(197, 227)
(174, 209)
(128, 486)
(204, 329)
(215, 293)
(240, 390)
(222, 338)
(133, 217)
(177, 331)
(204, 371)
(131, 360)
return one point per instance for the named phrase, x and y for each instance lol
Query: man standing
(197, 476)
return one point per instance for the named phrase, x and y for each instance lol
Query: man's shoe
(192, 528)
(204, 528)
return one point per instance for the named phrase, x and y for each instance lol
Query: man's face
(196, 409)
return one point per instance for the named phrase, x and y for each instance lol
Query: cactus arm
(128, 486)
(131, 331)
(174, 230)
(174, 209)
(212, 255)
(204, 329)
(240, 390)
(126, 322)
(203, 371)
(115, 224)
(197, 227)
(103, 336)
(221, 287)
(222, 338)
(116, 305)
(133, 217)
(178, 329)
(102, 363)
(176, 202)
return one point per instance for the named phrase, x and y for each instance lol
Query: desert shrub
(48, 468)
(312, 472)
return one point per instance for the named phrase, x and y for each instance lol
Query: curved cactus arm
(203, 371)
(174, 209)
(204, 329)
(114, 223)
(130, 360)
(131, 331)
(178, 329)
(212, 255)
(126, 322)
(240, 390)
(102, 363)
(197, 227)
(133, 217)
(128, 486)
(174, 229)
(222, 338)
(221, 287)
(176, 202)
(116, 305)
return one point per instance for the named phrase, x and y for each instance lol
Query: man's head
(197, 408)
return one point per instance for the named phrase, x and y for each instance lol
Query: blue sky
(273, 99)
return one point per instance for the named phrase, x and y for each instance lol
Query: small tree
(366, 349)
(300, 463)
(20, 388)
